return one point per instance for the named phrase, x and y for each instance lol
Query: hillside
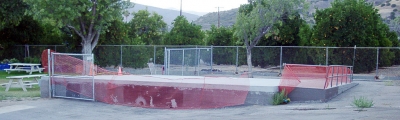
(385, 8)
(228, 18)
(168, 14)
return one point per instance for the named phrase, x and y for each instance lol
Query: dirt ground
(385, 95)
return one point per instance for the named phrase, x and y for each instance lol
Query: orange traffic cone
(119, 71)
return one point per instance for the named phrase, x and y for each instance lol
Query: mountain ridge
(168, 14)
(228, 18)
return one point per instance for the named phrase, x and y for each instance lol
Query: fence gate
(188, 61)
(72, 76)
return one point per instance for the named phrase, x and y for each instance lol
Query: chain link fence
(368, 62)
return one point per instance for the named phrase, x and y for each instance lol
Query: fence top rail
(227, 46)
(69, 54)
(306, 65)
(340, 66)
(41, 45)
(320, 65)
(188, 48)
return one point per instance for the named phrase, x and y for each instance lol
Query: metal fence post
(26, 50)
(165, 61)
(154, 59)
(377, 61)
(327, 56)
(237, 59)
(121, 56)
(49, 71)
(93, 85)
(352, 68)
(154, 55)
(198, 61)
(52, 73)
(183, 60)
(280, 61)
(211, 58)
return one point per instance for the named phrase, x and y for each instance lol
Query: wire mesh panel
(225, 60)
(266, 61)
(72, 76)
(388, 64)
(365, 60)
(188, 61)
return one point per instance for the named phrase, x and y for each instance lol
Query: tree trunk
(249, 63)
(87, 58)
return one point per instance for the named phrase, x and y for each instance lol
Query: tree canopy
(222, 36)
(348, 23)
(11, 12)
(184, 33)
(256, 20)
(147, 28)
(87, 18)
(353, 22)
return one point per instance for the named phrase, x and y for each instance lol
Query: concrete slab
(260, 90)
(301, 94)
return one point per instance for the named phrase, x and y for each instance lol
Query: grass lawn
(17, 93)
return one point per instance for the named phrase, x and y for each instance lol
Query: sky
(203, 6)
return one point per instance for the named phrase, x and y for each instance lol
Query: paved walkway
(385, 96)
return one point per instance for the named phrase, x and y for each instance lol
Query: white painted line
(14, 108)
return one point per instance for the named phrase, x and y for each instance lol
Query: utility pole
(219, 16)
(181, 9)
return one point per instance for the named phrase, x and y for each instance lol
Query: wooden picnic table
(27, 67)
(20, 78)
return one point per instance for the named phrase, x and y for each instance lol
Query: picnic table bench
(27, 67)
(20, 78)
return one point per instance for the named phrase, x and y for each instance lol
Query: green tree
(222, 36)
(346, 24)
(116, 34)
(28, 31)
(184, 33)
(147, 28)
(288, 35)
(87, 18)
(256, 20)
(11, 12)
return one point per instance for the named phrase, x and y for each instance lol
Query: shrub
(393, 5)
(363, 102)
(383, 5)
(31, 60)
(5, 61)
(387, 4)
(280, 98)
(14, 60)
(394, 10)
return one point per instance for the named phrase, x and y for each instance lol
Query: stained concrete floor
(386, 96)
